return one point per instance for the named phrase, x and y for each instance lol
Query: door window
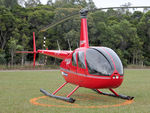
(74, 61)
(81, 60)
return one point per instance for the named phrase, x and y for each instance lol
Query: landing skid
(114, 94)
(67, 98)
(71, 100)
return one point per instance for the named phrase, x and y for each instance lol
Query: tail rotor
(34, 52)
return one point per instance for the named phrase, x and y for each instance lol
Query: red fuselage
(76, 68)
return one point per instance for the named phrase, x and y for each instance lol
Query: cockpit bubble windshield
(116, 59)
(97, 63)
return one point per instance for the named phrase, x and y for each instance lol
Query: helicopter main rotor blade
(58, 22)
(77, 13)
(123, 7)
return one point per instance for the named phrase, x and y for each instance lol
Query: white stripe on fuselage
(89, 76)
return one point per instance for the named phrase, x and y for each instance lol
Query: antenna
(58, 45)
(69, 45)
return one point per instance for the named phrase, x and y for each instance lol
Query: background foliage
(127, 33)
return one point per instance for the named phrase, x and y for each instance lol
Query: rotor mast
(84, 42)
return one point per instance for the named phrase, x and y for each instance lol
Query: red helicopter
(90, 67)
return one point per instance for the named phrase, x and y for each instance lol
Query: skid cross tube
(114, 94)
(68, 99)
(59, 88)
(73, 91)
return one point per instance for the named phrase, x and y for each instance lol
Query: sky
(116, 3)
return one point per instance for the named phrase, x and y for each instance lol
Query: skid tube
(113, 94)
(67, 98)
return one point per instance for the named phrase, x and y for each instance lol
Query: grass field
(18, 88)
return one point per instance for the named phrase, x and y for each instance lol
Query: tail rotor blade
(34, 46)
(34, 49)
(34, 58)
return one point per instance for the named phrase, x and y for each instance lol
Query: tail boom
(60, 54)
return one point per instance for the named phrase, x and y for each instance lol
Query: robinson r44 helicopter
(90, 67)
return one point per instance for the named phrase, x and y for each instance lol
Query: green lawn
(17, 88)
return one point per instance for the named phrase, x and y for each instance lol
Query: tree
(126, 33)
(25, 41)
(73, 37)
(143, 28)
(90, 5)
(123, 10)
(12, 44)
(7, 25)
(1, 2)
(2, 57)
(10, 3)
(128, 41)
(21, 2)
(50, 2)
(32, 3)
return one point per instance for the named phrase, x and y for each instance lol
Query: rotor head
(83, 13)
